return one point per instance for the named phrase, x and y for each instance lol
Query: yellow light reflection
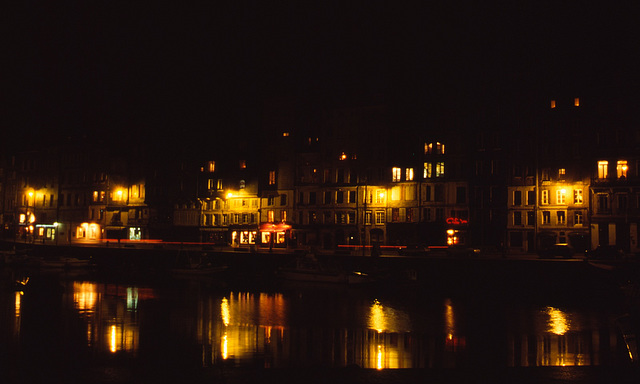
(376, 317)
(18, 303)
(112, 340)
(558, 321)
(225, 347)
(379, 358)
(450, 325)
(85, 296)
(225, 311)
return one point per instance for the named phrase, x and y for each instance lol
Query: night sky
(132, 69)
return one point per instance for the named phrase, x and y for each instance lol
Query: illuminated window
(440, 169)
(576, 102)
(219, 184)
(577, 196)
(379, 217)
(544, 199)
(546, 217)
(243, 184)
(396, 174)
(343, 156)
(427, 171)
(561, 173)
(434, 148)
(409, 174)
(211, 166)
(603, 169)
(380, 193)
(560, 217)
(577, 218)
(622, 168)
(270, 216)
(283, 215)
(96, 196)
(561, 196)
(285, 134)
(243, 164)
(553, 104)
(272, 177)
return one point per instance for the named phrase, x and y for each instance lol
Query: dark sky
(100, 67)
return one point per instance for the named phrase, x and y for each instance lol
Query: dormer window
(603, 169)
(622, 169)
(434, 148)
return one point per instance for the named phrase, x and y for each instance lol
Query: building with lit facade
(615, 188)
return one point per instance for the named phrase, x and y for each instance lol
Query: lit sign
(456, 221)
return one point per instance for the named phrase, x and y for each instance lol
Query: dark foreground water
(87, 327)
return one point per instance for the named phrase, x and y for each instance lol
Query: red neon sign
(456, 221)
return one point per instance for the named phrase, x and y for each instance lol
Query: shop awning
(274, 227)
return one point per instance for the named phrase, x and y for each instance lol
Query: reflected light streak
(376, 317)
(379, 358)
(225, 311)
(558, 321)
(449, 318)
(225, 347)
(112, 340)
(18, 302)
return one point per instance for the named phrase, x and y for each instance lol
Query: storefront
(275, 235)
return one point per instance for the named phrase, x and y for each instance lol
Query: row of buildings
(568, 172)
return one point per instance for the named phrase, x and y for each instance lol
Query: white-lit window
(427, 171)
(409, 174)
(622, 168)
(380, 194)
(544, 199)
(379, 217)
(440, 169)
(561, 196)
(577, 196)
(603, 169)
(396, 174)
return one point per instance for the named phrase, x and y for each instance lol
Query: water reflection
(110, 314)
(328, 329)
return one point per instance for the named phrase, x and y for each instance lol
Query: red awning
(274, 227)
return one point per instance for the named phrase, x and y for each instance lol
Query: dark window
(531, 197)
(517, 197)
(339, 197)
(461, 195)
(312, 197)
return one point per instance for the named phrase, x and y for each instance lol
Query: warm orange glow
(603, 169)
(553, 104)
(558, 321)
(576, 102)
